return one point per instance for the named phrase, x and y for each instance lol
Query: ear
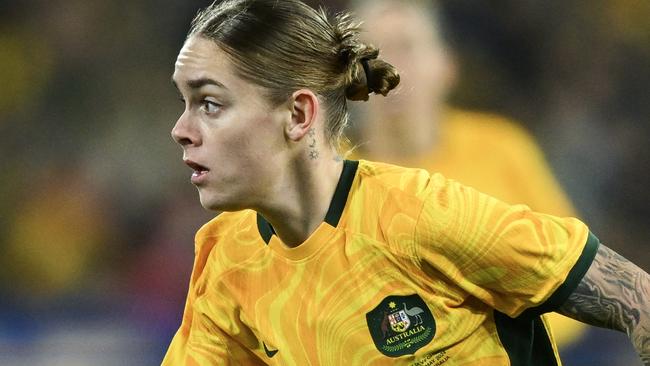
(304, 111)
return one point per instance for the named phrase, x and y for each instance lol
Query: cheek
(245, 144)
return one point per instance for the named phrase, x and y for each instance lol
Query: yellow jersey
(498, 157)
(408, 268)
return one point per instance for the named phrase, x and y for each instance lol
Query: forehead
(201, 58)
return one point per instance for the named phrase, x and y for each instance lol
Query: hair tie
(368, 72)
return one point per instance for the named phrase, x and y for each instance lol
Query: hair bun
(374, 76)
(364, 72)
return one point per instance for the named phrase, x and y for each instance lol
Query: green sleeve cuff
(576, 274)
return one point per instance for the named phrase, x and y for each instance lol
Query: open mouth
(196, 166)
(199, 170)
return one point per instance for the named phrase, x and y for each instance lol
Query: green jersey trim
(336, 207)
(525, 340)
(341, 193)
(571, 282)
(265, 229)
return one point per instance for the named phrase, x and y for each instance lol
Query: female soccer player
(323, 261)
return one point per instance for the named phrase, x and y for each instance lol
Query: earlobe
(304, 110)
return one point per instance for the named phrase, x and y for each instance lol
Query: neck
(302, 198)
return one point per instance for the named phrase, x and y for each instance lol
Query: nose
(185, 132)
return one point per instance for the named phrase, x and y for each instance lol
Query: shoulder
(396, 194)
(385, 177)
(402, 186)
(228, 239)
(224, 225)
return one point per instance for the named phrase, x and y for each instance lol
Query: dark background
(97, 216)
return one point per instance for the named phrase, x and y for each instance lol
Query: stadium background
(97, 216)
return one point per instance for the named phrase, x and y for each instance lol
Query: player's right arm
(200, 340)
(614, 294)
(207, 348)
(188, 349)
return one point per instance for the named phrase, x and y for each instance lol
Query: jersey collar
(336, 207)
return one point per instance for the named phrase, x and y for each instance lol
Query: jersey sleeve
(190, 348)
(200, 340)
(508, 256)
(194, 343)
(203, 344)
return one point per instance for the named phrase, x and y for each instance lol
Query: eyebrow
(201, 82)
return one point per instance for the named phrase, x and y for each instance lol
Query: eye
(209, 106)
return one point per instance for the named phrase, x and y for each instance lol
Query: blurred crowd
(97, 215)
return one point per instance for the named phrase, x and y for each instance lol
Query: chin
(218, 204)
(212, 205)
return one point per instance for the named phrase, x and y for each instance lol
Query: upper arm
(509, 257)
(614, 294)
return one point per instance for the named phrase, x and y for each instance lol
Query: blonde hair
(285, 45)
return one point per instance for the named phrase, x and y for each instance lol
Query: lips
(196, 166)
(199, 173)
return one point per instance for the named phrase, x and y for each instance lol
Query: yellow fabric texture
(402, 232)
(497, 157)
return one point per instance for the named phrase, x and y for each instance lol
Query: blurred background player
(417, 127)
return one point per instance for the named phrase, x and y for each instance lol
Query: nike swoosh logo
(268, 352)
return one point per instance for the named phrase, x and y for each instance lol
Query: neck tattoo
(313, 153)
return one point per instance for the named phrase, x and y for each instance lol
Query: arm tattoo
(614, 294)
